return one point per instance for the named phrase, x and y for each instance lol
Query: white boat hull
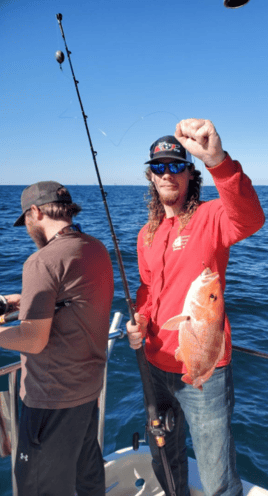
(129, 473)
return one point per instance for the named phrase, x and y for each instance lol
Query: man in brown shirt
(63, 351)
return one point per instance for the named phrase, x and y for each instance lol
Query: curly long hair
(156, 208)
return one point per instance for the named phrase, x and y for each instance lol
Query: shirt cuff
(225, 169)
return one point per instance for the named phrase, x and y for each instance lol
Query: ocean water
(246, 298)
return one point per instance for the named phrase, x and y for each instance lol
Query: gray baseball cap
(39, 194)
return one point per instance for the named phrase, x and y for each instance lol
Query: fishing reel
(167, 424)
(167, 419)
(3, 305)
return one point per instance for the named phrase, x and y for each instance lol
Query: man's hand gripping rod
(156, 426)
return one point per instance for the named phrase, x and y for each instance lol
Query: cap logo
(164, 146)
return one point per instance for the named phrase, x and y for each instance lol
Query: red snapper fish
(201, 328)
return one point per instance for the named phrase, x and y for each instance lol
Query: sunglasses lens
(158, 168)
(174, 168)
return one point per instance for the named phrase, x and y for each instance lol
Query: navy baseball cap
(168, 148)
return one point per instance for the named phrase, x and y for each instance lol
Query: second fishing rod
(8, 315)
(155, 424)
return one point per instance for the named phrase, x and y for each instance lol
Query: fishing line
(61, 116)
(105, 134)
(156, 426)
(135, 122)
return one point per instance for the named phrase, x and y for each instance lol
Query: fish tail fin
(187, 379)
(197, 383)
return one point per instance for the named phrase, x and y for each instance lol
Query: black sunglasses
(174, 168)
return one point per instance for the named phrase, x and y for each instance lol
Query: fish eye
(213, 297)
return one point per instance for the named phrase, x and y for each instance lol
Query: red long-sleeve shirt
(168, 267)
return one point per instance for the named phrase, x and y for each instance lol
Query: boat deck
(129, 473)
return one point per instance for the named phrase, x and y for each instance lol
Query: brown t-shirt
(75, 267)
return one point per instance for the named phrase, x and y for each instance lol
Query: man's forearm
(29, 337)
(15, 338)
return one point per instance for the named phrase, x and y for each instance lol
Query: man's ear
(36, 212)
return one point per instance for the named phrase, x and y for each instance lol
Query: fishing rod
(155, 424)
(260, 354)
(12, 316)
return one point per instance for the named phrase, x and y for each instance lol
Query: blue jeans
(208, 414)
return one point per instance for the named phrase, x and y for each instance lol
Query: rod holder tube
(102, 401)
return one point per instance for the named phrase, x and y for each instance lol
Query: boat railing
(12, 371)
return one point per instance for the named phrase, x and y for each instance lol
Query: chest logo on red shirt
(180, 242)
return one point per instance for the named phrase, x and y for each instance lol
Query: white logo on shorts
(24, 457)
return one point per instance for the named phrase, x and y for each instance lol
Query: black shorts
(58, 453)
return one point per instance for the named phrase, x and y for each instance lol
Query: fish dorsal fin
(173, 323)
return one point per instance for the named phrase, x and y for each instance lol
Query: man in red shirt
(182, 237)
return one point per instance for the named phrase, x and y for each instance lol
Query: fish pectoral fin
(173, 323)
(178, 355)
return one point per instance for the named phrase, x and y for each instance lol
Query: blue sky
(142, 66)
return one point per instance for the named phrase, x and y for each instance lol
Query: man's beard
(38, 236)
(170, 198)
